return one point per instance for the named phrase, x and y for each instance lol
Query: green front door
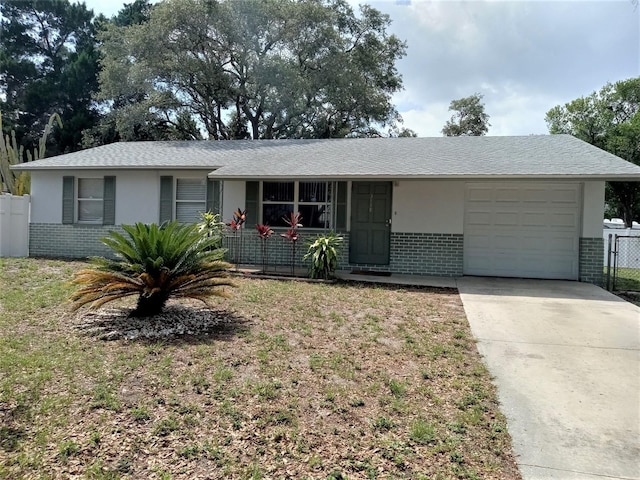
(370, 223)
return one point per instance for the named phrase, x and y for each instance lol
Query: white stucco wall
(137, 197)
(137, 193)
(233, 197)
(419, 206)
(428, 206)
(592, 209)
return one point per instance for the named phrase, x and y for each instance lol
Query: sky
(524, 57)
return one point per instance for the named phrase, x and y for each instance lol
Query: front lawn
(627, 279)
(290, 380)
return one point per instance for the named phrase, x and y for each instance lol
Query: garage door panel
(563, 195)
(506, 242)
(522, 230)
(506, 219)
(534, 219)
(562, 244)
(507, 195)
(479, 218)
(480, 194)
(535, 195)
(534, 243)
(564, 219)
(479, 241)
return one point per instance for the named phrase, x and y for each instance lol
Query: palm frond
(155, 263)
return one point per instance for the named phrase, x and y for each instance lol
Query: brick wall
(427, 253)
(421, 254)
(68, 241)
(411, 253)
(590, 260)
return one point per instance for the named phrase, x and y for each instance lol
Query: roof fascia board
(23, 167)
(625, 177)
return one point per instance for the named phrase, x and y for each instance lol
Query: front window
(277, 202)
(311, 199)
(90, 200)
(191, 194)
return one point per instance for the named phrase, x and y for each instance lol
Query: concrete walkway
(566, 360)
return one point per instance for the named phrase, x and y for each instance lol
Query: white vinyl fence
(628, 252)
(14, 225)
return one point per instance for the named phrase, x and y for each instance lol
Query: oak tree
(469, 118)
(48, 64)
(608, 119)
(254, 68)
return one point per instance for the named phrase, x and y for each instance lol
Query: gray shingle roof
(443, 157)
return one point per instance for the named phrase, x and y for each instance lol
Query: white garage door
(528, 230)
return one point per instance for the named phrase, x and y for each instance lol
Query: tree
(139, 124)
(135, 13)
(396, 132)
(469, 118)
(48, 64)
(254, 68)
(155, 263)
(610, 120)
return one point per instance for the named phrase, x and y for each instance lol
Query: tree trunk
(150, 305)
(627, 216)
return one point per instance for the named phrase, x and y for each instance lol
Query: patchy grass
(627, 284)
(322, 381)
(628, 279)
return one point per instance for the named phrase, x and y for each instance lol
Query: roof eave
(26, 168)
(602, 177)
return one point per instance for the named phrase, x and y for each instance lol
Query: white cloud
(523, 56)
(427, 121)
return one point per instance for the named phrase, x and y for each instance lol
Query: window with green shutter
(68, 200)
(90, 197)
(214, 196)
(89, 200)
(191, 196)
(186, 198)
(166, 199)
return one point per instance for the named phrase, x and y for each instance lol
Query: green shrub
(212, 228)
(323, 252)
(155, 263)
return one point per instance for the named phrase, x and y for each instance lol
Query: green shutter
(109, 201)
(213, 196)
(68, 200)
(251, 203)
(166, 199)
(341, 206)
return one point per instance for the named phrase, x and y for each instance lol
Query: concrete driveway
(566, 360)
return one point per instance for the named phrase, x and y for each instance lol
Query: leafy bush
(323, 252)
(211, 227)
(155, 263)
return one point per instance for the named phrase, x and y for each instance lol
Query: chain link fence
(623, 263)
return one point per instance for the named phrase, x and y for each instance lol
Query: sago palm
(155, 263)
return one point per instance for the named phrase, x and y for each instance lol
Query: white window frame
(176, 201)
(330, 187)
(78, 200)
